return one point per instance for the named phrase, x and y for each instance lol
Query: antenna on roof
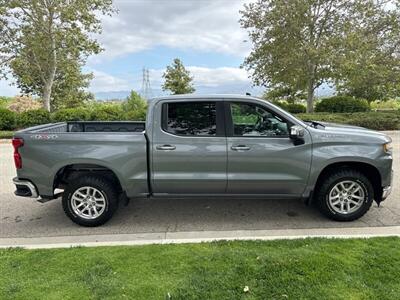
(248, 94)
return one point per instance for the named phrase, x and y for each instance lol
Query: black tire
(100, 184)
(330, 181)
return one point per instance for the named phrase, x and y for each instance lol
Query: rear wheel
(345, 195)
(90, 201)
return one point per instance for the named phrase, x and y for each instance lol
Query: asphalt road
(24, 217)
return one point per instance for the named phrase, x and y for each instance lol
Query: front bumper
(386, 192)
(387, 189)
(25, 188)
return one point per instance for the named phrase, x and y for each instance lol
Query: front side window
(191, 118)
(253, 120)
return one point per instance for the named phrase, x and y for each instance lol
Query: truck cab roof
(214, 97)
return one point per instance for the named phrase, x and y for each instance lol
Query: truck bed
(120, 147)
(89, 126)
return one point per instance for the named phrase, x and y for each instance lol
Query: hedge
(293, 108)
(71, 114)
(8, 119)
(371, 120)
(392, 104)
(6, 134)
(112, 112)
(33, 117)
(342, 104)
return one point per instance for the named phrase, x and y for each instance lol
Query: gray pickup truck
(220, 145)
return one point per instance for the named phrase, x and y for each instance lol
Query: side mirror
(297, 134)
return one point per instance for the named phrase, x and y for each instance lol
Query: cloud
(218, 76)
(7, 89)
(103, 82)
(209, 77)
(218, 79)
(207, 25)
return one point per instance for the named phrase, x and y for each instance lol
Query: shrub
(342, 104)
(71, 114)
(7, 119)
(135, 107)
(135, 115)
(371, 120)
(392, 104)
(24, 103)
(4, 101)
(107, 112)
(6, 134)
(377, 121)
(296, 108)
(281, 104)
(33, 117)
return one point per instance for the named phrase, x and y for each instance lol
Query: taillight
(17, 143)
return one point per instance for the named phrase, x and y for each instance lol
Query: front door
(262, 159)
(189, 153)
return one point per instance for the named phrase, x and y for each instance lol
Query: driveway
(26, 218)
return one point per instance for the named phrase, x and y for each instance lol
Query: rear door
(262, 159)
(189, 148)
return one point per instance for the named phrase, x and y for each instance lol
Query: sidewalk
(195, 237)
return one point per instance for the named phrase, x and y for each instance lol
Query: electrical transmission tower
(146, 89)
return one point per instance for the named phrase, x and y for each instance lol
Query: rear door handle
(166, 147)
(240, 148)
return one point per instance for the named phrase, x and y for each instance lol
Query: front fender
(325, 155)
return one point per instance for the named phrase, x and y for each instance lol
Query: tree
(44, 43)
(135, 106)
(284, 93)
(294, 42)
(370, 66)
(178, 79)
(69, 83)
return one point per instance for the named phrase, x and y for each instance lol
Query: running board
(47, 199)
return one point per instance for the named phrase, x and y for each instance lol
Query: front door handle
(166, 147)
(240, 148)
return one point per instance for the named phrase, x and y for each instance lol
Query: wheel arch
(370, 171)
(69, 172)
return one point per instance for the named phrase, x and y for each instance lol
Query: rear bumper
(25, 188)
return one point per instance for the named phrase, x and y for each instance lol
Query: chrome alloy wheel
(88, 202)
(346, 197)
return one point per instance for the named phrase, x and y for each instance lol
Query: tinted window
(191, 118)
(253, 120)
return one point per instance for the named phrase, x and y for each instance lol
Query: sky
(204, 34)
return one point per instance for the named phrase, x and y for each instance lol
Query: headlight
(388, 147)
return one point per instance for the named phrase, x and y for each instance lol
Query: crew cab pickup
(218, 145)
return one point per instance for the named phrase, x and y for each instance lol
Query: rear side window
(190, 118)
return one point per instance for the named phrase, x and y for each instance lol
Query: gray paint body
(273, 167)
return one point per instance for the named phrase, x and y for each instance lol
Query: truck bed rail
(89, 126)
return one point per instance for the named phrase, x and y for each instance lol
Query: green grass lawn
(296, 269)
(6, 134)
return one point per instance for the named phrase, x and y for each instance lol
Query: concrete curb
(195, 237)
(5, 141)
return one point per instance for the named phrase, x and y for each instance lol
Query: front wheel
(345, 195)
(90, 201)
